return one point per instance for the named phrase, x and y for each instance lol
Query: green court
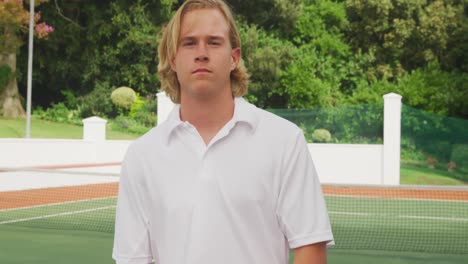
(366, 229)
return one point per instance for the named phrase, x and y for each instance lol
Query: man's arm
(311, 254)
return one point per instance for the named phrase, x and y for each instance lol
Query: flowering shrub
(14, 21)
(43, 30)
(432, 162)
(450, 165)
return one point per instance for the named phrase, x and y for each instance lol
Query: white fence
(348, 163)
(335, 163)
(15, 152)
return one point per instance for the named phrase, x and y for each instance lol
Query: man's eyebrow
(193, 38)
(216, 37)
(188, 38)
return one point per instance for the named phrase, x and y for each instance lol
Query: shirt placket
(196, 143)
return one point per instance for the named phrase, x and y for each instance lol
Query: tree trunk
(10, 103)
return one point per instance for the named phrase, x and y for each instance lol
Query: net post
(392, 135)
(94, 129)
(165, 106)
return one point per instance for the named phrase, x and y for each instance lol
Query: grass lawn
(33, 245)
(341, 256)
(16, 128)
(66, 246)
(413, 175)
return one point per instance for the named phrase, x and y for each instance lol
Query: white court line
(53, 204)
(422, 217)
(350, 213)
(55, 215)
(396, 198)
(58, 171)
(331, 212)
(434, 218)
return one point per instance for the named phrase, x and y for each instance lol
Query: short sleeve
(300, 207)
(131, 238)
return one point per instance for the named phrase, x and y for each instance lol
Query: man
(220, 181)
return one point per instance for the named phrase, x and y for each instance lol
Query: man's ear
(173, 65)
(235, 57)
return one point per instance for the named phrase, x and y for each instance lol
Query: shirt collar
(244, 112)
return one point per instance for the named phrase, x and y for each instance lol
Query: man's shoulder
(151, 140)
(270, 121)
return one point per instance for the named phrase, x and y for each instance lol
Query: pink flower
(42, 30)
(19, 1)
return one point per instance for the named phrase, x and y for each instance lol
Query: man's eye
(190, 43)
(215, 43)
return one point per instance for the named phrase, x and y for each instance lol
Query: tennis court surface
(67, 216)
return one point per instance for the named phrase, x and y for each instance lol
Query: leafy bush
(432, 162)
(460, 155)
(126, 124)
(321, 135)
(436, 135)
(71, 101)
(410, 152)
(123, 97)
(144, 111)
(98, 102)
(451, 165)
(58, 113)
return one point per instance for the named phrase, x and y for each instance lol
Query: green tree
(127, 51)
(318, 19)
(14, 21)
(272, 15)
(433, 90)
(110, 44)
(309, 81)
(324, 68)
(406, 34)
(428, 88)
(266, 57)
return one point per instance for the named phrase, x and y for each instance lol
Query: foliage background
(339, 56)
(301, 53)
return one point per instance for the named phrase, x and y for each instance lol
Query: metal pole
(30, 58)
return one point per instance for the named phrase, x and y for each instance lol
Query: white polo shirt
(247, 197)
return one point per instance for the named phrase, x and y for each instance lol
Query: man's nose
(202, 53)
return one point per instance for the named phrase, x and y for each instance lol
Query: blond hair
(168, 48)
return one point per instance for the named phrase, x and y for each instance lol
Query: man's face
(204, 57)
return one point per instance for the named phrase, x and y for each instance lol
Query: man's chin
(203, 93)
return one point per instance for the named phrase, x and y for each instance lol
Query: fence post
(165, 106)
(94, 128)
(392, 135)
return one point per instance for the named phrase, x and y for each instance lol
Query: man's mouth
(202, 70)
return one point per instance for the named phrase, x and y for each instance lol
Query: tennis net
(404, 218)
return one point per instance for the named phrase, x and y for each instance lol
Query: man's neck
(208, 115)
